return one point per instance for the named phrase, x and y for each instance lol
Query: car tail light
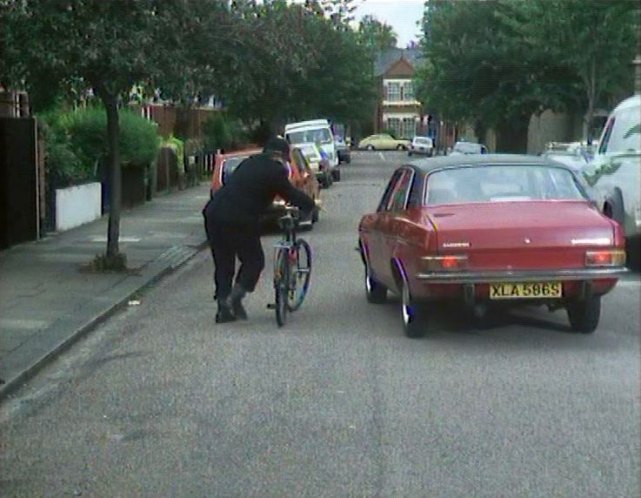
(445, 263)
(608, 257)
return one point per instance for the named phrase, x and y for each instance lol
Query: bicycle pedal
(271, 306)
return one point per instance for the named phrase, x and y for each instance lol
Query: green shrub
(76, 142)
(64, 166)
(222, 132)
(87, 132)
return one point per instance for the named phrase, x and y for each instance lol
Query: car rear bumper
(478, 277)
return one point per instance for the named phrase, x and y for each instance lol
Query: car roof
(629, 103)
(442, 162)
(312, 124)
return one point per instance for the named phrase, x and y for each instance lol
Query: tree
(341, 12)
(592, 40)
(375, 35)
(477, 71)
(487, 63)
(293, 62)
(107, 46)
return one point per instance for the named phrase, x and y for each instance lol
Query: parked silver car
(468, 148)
(615, 172)
(421, 145)
(576, 155)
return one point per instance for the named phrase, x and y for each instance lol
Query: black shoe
(236, 300)
(225, 315)
(239, 310)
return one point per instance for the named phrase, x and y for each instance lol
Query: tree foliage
(490, 64)
(375, 35)
(295, 62)
(105, 46)
(590, 41)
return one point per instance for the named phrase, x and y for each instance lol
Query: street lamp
(637, 74)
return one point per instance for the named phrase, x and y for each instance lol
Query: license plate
(529, 290)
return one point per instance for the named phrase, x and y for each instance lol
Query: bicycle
(292, 267)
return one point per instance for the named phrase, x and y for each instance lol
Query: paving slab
(48, 299)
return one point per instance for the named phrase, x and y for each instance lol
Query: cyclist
(232, 224)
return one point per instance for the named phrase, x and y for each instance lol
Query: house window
(408, 92)
(393, 92)
(394, 125)
(408, 128)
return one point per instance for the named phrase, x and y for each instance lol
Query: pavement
(48, 299)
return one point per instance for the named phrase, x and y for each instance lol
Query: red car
(490, 230)
(300, 174)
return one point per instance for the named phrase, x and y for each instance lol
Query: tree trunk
(115, 190)
(480, 130)
(589, 115)
(512, 136)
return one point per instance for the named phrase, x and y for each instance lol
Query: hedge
(76, 142)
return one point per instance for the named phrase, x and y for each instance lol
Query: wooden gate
(20, 181)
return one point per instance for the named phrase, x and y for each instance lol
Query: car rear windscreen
(500, 183)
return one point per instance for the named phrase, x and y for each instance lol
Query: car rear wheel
(375, 292)
(584, 314)
(412, 314)
(370, 147)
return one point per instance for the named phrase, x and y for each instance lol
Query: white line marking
(629, 283)
(103, 238)
(380, 154)
(20, 324)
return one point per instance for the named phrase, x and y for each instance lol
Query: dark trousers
(228, 242)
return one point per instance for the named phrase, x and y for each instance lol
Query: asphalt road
(161, 401)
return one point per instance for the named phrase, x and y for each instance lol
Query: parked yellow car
(383, 141)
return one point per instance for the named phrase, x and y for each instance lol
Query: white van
(615, 171)
(319, 132)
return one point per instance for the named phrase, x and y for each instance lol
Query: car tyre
(370, 147)
(584, 314)
(412, 314)
(327, 180)
(614, 207)
(336, 175)
(375, 292)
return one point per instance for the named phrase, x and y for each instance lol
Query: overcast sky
(401, 15)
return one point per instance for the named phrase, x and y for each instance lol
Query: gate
(20, 181)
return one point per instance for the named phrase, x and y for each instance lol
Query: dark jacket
(251, 190)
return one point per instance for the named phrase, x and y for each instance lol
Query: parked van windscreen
(624, 132)
(322, 135)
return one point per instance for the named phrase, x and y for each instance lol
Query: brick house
(397, 109)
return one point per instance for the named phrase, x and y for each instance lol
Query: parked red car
(490, 230)
(300, 175)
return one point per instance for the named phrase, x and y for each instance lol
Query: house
(398, 110)
(13, 103)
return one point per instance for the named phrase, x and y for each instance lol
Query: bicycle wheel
(300, 271)
(281, 285)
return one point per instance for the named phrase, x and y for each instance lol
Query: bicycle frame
(287, 268)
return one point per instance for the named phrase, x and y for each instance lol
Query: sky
(401, 15)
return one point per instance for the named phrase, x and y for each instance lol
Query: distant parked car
(468, 148)
(576, 155)
(491, 230)
(615, 171)
(383, 141)
(421, 145)
(342, 150)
